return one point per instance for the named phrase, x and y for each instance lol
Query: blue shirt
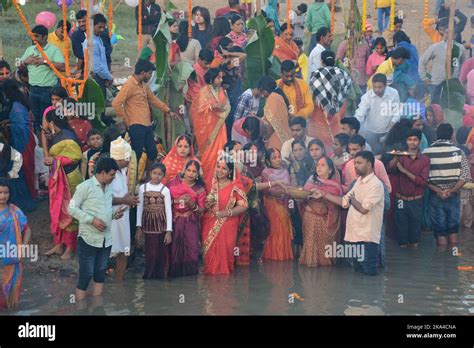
(100, 66)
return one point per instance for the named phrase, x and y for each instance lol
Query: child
(368, 36)
(377, 57)
(302, 70)
(94, 141)
(340, 155)
(297, 19)
(154, 221)
(398, 24)
(14, 233)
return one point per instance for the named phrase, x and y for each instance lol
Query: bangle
(196, 208)
(270, 184)
(229, 213)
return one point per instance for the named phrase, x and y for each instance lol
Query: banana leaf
(93, 94)
(6, 4)
(259, 50)
(453, 95)
(162, 40)
(275, 68)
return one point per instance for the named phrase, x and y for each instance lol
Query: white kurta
(120, 228)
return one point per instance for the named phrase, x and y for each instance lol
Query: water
(416, 282)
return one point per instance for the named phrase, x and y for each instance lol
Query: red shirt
(420, 167)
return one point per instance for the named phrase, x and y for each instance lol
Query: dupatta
(174, 163)
(328, 186)
(276, 115)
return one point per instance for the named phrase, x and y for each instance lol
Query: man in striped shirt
(449, 171)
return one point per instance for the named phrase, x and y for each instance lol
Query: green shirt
(42, 75)
(89, 202)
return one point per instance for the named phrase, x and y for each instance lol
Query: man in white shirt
(365, 216)
(324, 39)
(378, 111)
(298, 130)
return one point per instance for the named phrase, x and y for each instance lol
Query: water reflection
(416, 282)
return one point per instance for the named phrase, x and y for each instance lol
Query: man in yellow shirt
(387, 68)
(296, 90)
(56, 38)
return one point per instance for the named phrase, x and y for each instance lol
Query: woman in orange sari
(275, 119)
(225, 202)
(181, 152)
(278, 244)
(285, 47)
(208, 115)
(321, 219)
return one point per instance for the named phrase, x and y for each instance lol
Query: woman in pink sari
(321, 218)
(225, 203)
(188, 195)
(208, 115)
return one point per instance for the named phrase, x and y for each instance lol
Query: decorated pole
(190, 18)
(66, 41)
(90, 42)
(364, 15)
(288, 20)
(449, 51)
(427, 12)
(140, 29)
(111, 18)
(392, 15)
(333, 15)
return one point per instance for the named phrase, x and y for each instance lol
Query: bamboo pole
(1, 48)
(259, 7)
(190, 18)
(392, 15)
(288, 21)
(449, 51)
(333, 15)
(364, 15)
(90, 41)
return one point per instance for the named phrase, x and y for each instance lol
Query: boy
(94, 141)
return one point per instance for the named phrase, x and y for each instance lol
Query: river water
(415, 282)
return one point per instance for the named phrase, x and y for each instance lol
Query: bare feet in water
(67, 254)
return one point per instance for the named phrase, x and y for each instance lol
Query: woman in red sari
(188, 195)
(321, 219)
(285, 47)
(225, 203)
(208, 115)
(181, 152)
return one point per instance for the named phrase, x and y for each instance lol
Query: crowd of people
(277, 172)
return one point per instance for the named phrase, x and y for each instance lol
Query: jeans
(143, 137)
(445, 215)
(369, 265)
(435, 93)
(92, 263)
(408, 221)
(383, 22)
(374, 140)
(40, 99)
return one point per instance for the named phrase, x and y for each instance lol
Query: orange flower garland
(111, 18)
(140, 35)
(333, 15)
(66, 82)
